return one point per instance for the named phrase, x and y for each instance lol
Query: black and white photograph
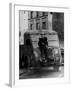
(41, 44)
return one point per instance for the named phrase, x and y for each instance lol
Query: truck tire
(56, 68)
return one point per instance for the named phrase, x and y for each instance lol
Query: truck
(31, 55)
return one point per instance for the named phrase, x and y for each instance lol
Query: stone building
(40, 20)
(33, 20)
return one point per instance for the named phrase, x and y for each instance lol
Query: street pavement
(43, 72)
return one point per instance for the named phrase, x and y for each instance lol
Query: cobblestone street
(44, 72)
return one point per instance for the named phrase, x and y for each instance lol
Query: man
(43, 45)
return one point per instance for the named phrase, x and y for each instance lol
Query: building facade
(40, 20)
(33, 20)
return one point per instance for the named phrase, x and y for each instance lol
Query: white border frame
(14, 44)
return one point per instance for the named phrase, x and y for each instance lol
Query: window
(31, 14)
(31, 26)
(45, 13)
(43, 25)
(19, 34)
(24, 12)
(37, 26)
(37, 14)
(51, 12)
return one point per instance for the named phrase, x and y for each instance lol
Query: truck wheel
(56, 68)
